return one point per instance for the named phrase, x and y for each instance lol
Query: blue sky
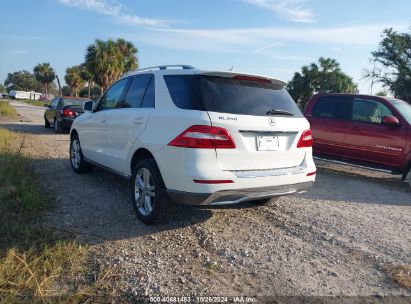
(269, 37)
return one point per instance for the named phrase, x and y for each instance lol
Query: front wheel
(148, 193)
(46, 123)
(78, 164)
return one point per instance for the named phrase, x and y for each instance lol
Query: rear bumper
(226, 197)
(66, 122)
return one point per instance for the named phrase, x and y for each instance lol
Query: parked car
(196, 137)
(62, 111)
(363, 130)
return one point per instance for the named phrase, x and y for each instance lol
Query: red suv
(364, 130)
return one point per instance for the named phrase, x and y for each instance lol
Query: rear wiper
(279, 112)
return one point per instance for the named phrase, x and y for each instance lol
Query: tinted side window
(136, 92)
(149, 98)
(334, 107)
(367, 110)
(185, 91)
(113, 95)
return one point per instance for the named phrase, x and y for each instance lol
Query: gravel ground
(336, 240)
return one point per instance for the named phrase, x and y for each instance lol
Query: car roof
(189, 70)
(352, 95)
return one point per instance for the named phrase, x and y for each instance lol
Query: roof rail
(165, 67)
(161, 67)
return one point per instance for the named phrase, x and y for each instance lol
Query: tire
(57, 127)
(408, 178)
(78, 164)
(155, 206)
(265, 202)
(46, 123)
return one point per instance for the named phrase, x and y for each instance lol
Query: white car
(183, 135)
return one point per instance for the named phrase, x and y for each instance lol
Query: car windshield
(73, 102)
(228, 95)
(402, 107)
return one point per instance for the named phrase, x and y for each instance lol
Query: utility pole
(58, 82)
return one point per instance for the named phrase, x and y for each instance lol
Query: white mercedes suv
(183, 135)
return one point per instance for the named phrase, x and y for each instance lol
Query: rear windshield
(73, 102)
(227, 95)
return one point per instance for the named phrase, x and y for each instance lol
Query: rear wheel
(57, 127)
(148, 193)
(78, 164)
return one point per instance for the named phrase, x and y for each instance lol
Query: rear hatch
(259, 114)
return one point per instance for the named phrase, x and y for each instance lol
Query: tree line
(106, 61)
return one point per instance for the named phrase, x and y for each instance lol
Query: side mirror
(47, 105)
(391, 121)
(88, 106)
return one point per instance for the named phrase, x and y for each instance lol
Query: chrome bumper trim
(227, 197)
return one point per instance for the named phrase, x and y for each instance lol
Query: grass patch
(6, 109)
(400, 274)
(38, 103)
(37, 266)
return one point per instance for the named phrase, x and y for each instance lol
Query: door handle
(138, 121)
(356, 129)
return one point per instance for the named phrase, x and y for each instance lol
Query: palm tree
(74, 80)
(104, 60)
(108, 60)
(128, 50)
(44, 74)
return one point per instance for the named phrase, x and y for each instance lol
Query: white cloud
(34, 38)
(115, 9)
(293, 10)
(244, 40)
(336, 49)
(19, 52)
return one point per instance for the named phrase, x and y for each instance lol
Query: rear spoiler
(244, 76)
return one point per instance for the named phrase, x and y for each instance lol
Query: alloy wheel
(144, 191)
(75, 153)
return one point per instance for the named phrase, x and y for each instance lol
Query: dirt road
(336, 240)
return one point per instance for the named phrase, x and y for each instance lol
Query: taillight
(213, 181)
(252, 78)
(68, 112)
(204, 137)
(306, 140)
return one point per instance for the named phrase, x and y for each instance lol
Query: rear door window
(228, 95)
(136, 92)
(333, 107)
(149, 97)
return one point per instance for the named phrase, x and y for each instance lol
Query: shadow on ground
(27, 128)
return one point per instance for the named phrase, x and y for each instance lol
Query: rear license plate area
(268, 143)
